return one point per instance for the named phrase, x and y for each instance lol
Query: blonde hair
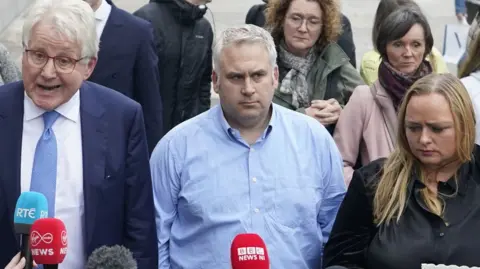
(391, 192)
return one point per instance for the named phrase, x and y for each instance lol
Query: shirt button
(256, 210)
(442, 234)
(252, 149)
(254, 179)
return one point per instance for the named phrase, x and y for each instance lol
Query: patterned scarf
(396, 84)
(295, 82)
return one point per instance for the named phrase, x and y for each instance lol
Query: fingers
(328, 112)
(323, 114)
(325, 111)
(327, 118)
(333, 109)
(332, 101)
(21, 264)
(13, 262)
(329, 105)
(328, 121)
(319, 104)
(16, 263)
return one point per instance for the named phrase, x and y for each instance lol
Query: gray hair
(244, 34)
(73, 18)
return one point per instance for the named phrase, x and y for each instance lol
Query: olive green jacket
(332, 76)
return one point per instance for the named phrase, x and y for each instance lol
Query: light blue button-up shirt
(209, 185)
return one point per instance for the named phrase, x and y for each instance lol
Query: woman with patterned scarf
(367, 126)
(316, 76)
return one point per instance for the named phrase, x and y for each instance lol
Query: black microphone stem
(26, 251)
(50, 266)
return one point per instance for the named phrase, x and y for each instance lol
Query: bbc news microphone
(48, 242)
(30, 207)
(248, 251)
(115, 257)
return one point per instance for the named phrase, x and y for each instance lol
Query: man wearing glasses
(80, 144)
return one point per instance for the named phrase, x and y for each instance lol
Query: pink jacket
(367, 126)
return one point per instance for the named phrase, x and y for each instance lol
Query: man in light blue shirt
(245, 166)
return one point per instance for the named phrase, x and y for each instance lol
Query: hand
(328, 111)
(316, 107)
(462, 18)
(16, 263)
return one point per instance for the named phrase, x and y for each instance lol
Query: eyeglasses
(62, 64)
(297, 21)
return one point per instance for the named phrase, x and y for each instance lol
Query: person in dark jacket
(184, 49)
(127, 62)
(422, 203)
(256, 16)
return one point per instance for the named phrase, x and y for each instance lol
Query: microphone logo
(64, 238)
(37, 238)
(251, 253)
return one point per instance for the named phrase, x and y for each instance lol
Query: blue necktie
(44, 172)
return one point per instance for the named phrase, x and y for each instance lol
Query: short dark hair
(385, 8)
(397, 25)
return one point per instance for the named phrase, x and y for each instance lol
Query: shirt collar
(229, 130)
(103, 11)
(451, 185)
(69, 110)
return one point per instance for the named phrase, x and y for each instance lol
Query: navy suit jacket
(116, 174)
(128, 63)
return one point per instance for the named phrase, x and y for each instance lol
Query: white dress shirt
(69, 199)
(101, 16)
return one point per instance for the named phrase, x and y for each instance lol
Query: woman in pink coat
(366, 127)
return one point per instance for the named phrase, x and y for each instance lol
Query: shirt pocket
(294, 202)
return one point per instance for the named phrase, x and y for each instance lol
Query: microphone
(30, 207)
(115, 257)
(48, 242)
(248, 251)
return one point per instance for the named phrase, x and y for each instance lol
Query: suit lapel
(94, 146)
(11, 124)
(109, 41)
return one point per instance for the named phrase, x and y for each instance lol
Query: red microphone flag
(48, 241)
(248, 251)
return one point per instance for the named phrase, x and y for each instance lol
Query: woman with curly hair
(316, 76)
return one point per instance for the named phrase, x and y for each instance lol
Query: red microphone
(48, 242)
(248, 251)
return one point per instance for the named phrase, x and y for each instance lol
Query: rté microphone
(30, 207)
